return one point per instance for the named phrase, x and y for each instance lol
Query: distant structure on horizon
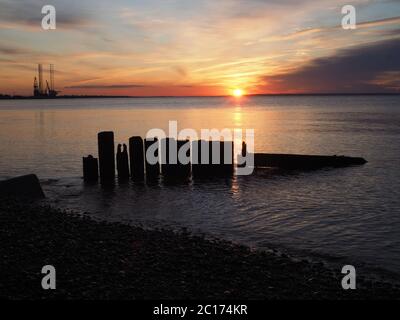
(39, 89)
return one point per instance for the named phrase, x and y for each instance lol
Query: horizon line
(8, 96)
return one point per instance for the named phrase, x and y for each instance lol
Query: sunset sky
(202, 47)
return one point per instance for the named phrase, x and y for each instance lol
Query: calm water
(352, 212)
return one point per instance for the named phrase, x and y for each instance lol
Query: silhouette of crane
(39, 90)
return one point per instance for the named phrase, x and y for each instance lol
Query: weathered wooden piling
(136, 154)
(241, 158)
(122, 162)
(221, 158)
(119, 160)
(297, 161)
(171, 164)
(169, 149)
(201, 156)
(244, 149)
(152, 147)
(184, 169)
(216, 158)
(106, 156)
(212, 158)
(226, 156)
(90, 169)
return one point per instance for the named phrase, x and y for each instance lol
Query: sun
(238, 93)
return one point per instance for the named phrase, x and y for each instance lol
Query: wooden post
(125, 162)
(202, 160)
(196, 158)
(215, 156)
(184, 170)
(119, 156)
(241, 163)
(226, 155)
(223, 165)
(122, 162)
(106, 156)
(172, 167)
(90, 169)
(166, 161)
(136, 154)
(152, 169)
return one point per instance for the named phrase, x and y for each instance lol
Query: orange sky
(203, 47)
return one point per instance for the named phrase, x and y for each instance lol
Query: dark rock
(22, 187)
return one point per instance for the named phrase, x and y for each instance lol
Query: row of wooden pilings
(133, 163)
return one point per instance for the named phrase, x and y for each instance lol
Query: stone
(22, 187)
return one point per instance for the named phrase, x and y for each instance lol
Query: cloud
(321, 31)
(106, 86)
(12, 50)
(2, 60)
(27, 13)
(181, 71)
(380, 22)
(361, 69)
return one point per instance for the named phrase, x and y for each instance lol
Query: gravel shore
(100, 260)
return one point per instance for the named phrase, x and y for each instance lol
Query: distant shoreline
(8, 97)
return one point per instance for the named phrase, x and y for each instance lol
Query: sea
(351, 214)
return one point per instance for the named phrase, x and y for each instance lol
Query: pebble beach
(106, 261)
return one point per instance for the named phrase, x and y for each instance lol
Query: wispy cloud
(106, 86)
(393, 21)
(12, 50)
